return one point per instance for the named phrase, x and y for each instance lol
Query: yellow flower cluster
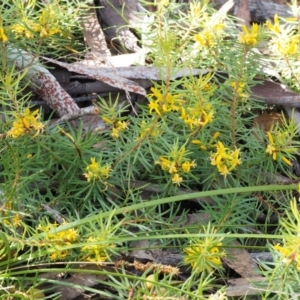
(162, 103)
(197, 115)
(14, 221)
(290, 252)
(116, 126)
(3, 37)
(49, 24)
(279, 143)
(94, 171)
(204, 254)
(284, 42)
(10, 217)
(209, 36)
(96, 251)
(290, 226)
(275, 28)
(225, 159)
(146, 128)
(286, 45)
(59, 239)
(26, 123)
(247, 37)
(240, 89)
(206, 38)
(175, 163)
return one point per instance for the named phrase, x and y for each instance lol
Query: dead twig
(90, 110)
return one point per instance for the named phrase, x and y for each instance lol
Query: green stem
(143, 205)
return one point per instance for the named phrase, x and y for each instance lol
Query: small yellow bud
(149, 284)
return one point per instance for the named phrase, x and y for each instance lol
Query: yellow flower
(3, 37)
(69, 235)
(48, 25)
(96, 252)
(154, 105)
(26, 123)
(14, 221)
(59, 255)
(240, 88)
(122, 125)
(94, 167)
(105, 171)
(285, 45)
(25, 28)
(197, 115)
(177, 179)
(206, 38)
(173, 167)
(146, 128)
(278, 144)
(117, 126)
(163, 102)
(58, 239)
(223, 170)
(290, 251)
(176, 162)
(285, 160)
(95, 171)
(115, 133)
(274, 27)
(204, 254)
(272, 151)
(49, 22)
(107, 120)
(186, 166)
(164, 163)
(225, 159)
(249, 38)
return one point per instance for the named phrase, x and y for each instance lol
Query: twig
(90, 110)
(55, 214)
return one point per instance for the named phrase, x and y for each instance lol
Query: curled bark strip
(113, 79)
(93, 34)
(115, 16)
(55, 214)
(143, 72)
(153, 73)
(43, 82)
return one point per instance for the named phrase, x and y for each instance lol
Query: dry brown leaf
(113, 79)
(73, 285)
(243, 286)
(240, 261)
(267, 120)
